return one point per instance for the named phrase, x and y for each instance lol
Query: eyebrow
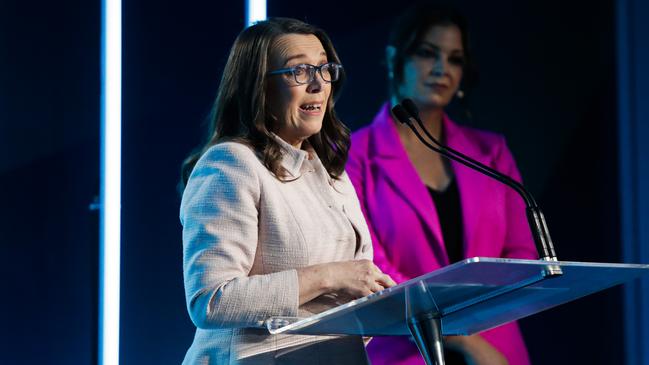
(301, 55)
(437, 47)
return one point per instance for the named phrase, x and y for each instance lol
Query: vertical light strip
(255, 11)
(633, 131)
(627, 189)
(110, 190)
(626, 153)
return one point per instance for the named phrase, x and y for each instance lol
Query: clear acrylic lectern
(462, 299)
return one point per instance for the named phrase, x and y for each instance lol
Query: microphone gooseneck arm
(409, 115)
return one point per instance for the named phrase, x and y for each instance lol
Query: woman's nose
(439, 67)
(316, 84)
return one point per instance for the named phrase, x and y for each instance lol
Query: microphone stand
(408, 113)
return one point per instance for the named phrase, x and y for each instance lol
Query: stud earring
(460, 94)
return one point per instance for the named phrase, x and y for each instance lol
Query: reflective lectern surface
(469, 296)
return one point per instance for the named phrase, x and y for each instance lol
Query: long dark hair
(240, 111)
(408, 31)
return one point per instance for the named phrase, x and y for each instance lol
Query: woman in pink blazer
(424, 211)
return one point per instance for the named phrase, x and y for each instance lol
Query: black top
(449, 211)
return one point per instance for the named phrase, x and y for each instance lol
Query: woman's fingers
(386, 281)
(359, 278)
(383, 279)
(375, 287)
(376, 280)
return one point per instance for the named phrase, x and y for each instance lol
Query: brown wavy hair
(241, 110)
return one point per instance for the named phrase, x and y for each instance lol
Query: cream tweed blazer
(244, 233)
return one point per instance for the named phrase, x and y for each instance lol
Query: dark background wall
(49, 164)
(547, 83)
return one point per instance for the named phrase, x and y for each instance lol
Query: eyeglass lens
(304, 74)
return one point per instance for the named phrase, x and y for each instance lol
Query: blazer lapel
(471, 183)
(390, 159)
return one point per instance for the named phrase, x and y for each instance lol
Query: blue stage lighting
(110, 190)
(255, 11)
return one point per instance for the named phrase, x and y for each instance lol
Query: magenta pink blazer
(405, 229)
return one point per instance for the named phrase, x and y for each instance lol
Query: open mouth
(316, 107)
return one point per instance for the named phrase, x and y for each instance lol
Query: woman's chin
(433, 102)
(309, 129)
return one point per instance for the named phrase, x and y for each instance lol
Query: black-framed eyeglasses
(305, 73)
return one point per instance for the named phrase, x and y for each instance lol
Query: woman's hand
(357, 278)
(354, 279)
(476, 350)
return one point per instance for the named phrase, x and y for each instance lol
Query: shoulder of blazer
(234, 162)
(488, 143)
(360, 140)
(227, 169)
(231, 154)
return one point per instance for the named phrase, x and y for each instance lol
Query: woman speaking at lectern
(271, 223)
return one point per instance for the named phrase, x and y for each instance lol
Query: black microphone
(408, 114)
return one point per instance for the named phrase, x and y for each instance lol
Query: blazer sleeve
(518, 241)
(219, 213)
(356, 170)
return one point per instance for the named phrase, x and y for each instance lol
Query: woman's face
(432, 75)
(298, 108)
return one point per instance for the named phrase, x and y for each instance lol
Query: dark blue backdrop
(49, 174)
(547, 83)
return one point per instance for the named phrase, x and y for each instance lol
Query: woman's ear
(390, 53)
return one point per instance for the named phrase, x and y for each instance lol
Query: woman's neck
(432, 119)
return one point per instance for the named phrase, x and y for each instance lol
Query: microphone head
(410, 107)
(401, 114)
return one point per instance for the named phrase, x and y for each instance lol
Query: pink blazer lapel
(471, 184)
(390, 159)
